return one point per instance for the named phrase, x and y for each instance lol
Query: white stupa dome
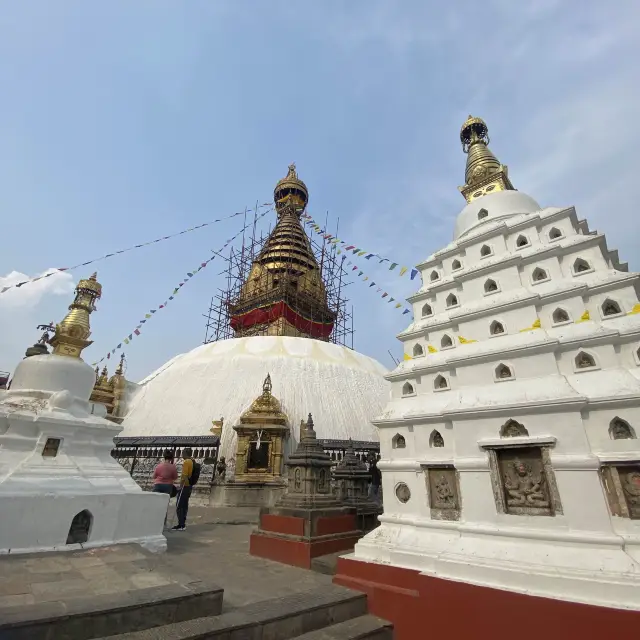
(501, 204)
(343, 389)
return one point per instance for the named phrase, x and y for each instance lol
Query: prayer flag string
(384, 294)
(174, 293)
(137, 246)
(342, 245)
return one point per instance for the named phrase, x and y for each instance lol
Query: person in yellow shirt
(187, 480)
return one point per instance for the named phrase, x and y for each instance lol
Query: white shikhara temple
(510, 456)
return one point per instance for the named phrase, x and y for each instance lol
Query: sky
(121, 122)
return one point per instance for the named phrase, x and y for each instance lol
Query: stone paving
(210, 549)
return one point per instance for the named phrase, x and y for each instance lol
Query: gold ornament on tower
(261, 433)
(217, 427)
(111, 391)
(72, 334)
(483, 174)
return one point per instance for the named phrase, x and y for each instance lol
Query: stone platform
(125, 592)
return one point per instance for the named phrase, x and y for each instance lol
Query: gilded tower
(72, 334)
(284, 294)
(484, 173)
(110, 391)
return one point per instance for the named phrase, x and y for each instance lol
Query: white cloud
(22, 309)
(31, 294)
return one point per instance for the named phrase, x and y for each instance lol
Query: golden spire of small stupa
(72, 334)
(484, 174)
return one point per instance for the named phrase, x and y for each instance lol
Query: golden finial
(120, 368)
(265, 408)
(266, 385)
(72, 334)
(484, 173)
(291, 193)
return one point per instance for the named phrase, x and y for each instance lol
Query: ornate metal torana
(261, 433)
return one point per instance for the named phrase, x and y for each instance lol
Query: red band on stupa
(281, 310)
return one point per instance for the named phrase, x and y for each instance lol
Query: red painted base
(296, 552)
(426, 607)
(296, 539)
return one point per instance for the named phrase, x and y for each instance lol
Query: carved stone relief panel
(524, 483)
(444, 492)
(622, 486)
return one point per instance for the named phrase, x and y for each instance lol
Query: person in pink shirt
(165, 474)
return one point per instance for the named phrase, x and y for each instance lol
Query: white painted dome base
(502, 204)
(343, 389)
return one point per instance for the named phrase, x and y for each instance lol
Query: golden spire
(284, 293)
(72, 334)
(484, 174)
(291, 191)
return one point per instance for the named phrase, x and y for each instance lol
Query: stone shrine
(60, 489)
(308, 521)
(352, 480)
(261, 438)
(510, 458)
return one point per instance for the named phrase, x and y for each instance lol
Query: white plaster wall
(549, 396)
(39, 496)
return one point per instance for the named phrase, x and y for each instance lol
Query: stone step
(327, 564)
(277, 619)
(362, 628)
(92, 617)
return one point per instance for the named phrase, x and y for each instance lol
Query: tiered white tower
(510, 455)
(59, 486)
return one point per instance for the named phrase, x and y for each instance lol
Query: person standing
(164, 475)
(376, 480)
(188, 478)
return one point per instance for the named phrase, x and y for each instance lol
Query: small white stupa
(59, 486)
(510, 451)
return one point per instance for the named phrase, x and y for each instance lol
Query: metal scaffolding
(238, 266)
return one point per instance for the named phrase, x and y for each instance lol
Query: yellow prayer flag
(537, 324)
(398, 305)
(403, 271)
(362, 253)
(407, 356)
(365, 278)
(636, 309)
(431, 349)
(584, 317)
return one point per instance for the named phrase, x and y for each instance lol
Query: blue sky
(124, 121)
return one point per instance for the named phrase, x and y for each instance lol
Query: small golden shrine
(110, 391)
(261, 434)
(217, 427)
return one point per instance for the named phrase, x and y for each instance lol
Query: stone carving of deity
(631, 489)
(445, 496)
(525, 488)
(322, 479)
(297, 480)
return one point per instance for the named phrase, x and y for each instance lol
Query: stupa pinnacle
(484, 173)
(284, 294)
(72, 334)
